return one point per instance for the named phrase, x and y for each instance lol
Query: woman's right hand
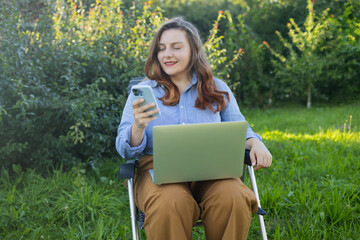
(142, 119)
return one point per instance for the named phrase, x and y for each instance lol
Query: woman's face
(174, 54)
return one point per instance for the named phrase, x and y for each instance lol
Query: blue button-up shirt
(184, 112)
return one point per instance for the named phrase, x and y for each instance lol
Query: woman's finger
(141, 115)
(141, 109)
(252, 158)
(136, 102)
(264, 160)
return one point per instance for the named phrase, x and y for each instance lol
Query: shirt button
(181, 106)
(183, 123)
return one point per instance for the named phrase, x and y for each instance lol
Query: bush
(64, 77)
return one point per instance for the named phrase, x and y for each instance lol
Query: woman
(187, 93)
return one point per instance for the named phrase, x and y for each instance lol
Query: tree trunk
(270, 98)
(308, 104)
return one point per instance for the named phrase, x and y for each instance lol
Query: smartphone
(146, 92)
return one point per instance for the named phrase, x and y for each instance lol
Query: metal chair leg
(134, 227)
(254, 187)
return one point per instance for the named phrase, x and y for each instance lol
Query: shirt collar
(194, 81)
(153, 83)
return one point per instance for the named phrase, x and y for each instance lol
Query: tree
(301, 68)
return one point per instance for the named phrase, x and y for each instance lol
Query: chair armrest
(261, 211)
(127, 170)
(247, 160)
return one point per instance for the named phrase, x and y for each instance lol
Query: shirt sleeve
(124, 133)
(232, 112)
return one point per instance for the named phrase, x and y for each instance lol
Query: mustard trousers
(171, 210)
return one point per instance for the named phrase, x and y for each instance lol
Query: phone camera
(137, 92)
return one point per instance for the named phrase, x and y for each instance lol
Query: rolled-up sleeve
(124, 134)
(232, 111)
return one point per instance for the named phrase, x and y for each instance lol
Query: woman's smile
(170, 63)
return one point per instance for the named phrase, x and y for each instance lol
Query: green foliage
(341, 81)
(201, 13)
(64, 79)
(221, 58)
(248, 78)
(327, 70)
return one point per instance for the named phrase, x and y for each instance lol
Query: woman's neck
(181, 82)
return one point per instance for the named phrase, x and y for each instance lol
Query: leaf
(17, 169)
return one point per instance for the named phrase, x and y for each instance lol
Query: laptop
(195, 152)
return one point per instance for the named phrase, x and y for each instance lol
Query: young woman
(187, 92)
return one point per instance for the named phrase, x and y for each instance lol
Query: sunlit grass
(332, 135)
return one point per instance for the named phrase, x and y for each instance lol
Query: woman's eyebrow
(172, 43)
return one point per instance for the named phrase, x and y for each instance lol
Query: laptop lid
(195, 152)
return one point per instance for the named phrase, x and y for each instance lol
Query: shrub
(64, 77)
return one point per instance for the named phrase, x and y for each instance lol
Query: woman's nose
(168, 53)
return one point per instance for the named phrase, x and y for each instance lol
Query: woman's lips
(169, 64)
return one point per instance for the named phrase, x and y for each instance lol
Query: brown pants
(171, 210)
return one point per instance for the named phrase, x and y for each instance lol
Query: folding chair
(127, 171)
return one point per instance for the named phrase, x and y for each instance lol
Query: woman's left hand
(259, 155)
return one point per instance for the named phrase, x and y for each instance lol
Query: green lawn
(311, 191)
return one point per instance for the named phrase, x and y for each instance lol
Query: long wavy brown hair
(207, 92)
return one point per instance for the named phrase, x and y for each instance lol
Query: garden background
(64, 68)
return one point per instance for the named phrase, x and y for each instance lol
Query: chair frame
(127, 171)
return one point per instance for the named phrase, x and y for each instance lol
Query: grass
(312, 190)
(77, 204)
